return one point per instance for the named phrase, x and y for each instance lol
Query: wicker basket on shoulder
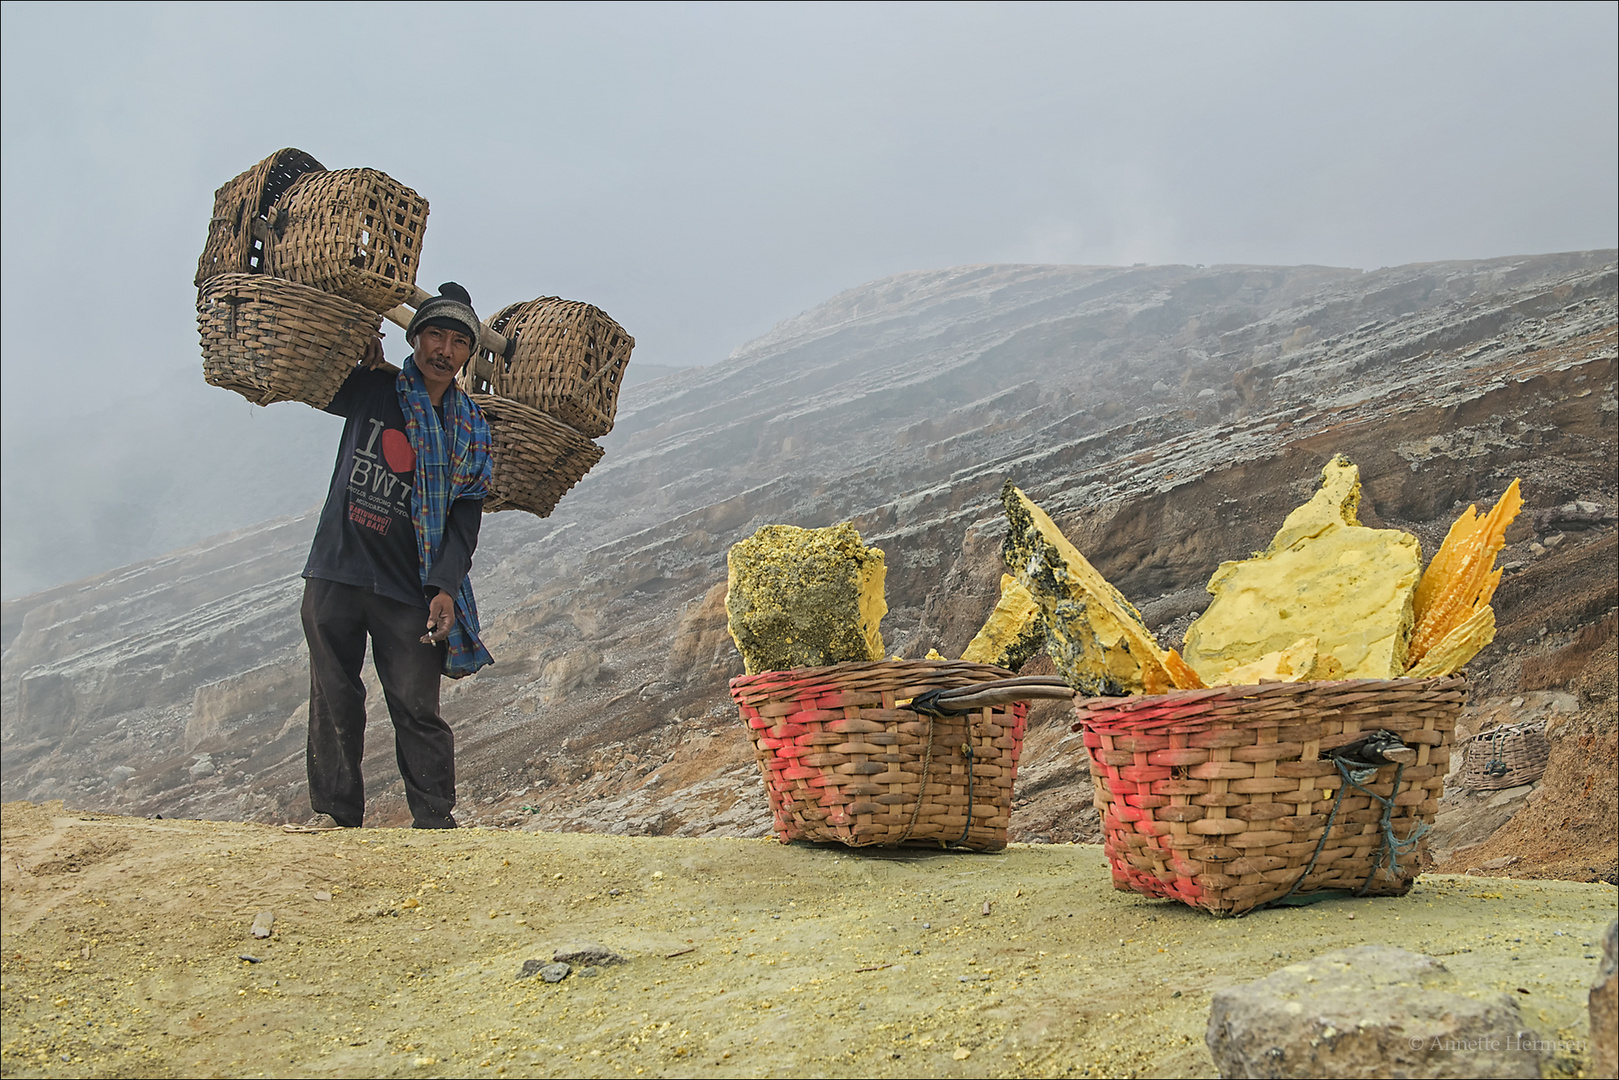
(1221, 798)
(843, 761)
(272, 340)
(353, 232)
(537, 458)
(1506, 756)
(569, 362)
(240, 222)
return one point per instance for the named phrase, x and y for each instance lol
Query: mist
(702, 172)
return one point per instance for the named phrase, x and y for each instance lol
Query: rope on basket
(922, 792)
(1497, 765)
(1388, 851)
(967, 749)
(966, 701)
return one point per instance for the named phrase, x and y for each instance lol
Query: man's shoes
(318, 823)
(445, 822)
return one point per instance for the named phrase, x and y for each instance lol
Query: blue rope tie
(1391, 847)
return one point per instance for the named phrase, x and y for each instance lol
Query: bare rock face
(1605, 1007)
(220, 711)
(1370, 1011)
(1167, 417)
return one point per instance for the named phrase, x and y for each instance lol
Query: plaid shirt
(452, 462)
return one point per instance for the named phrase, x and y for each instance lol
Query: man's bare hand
(440, 618)
(373, 358)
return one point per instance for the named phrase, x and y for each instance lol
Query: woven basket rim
(499, 404)
(1536, 726)
(865, 671)
(292, 291)
(1215, 695)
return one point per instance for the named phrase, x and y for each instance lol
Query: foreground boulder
(1605, 1007)
(1369, 1011)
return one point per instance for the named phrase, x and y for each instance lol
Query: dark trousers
(337, 618)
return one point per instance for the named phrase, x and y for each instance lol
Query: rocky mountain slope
(1168, 417)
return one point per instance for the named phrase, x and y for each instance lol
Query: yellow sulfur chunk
(1094, 636)
(1459, 646)
(805, 598)
(934, 654)
(1460, 581)
(1013, 632)
(1324, 576)
(1302, 661)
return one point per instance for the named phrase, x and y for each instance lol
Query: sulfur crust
(1013, 631)
(1094, 636)
(1324, 576)
(1459, 646)
(805, 598)
(1461, 579)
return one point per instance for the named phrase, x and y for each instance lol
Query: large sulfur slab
(1094, 636)
(1324, 576)
(1012, 633)
(1300, 662)
(805, 598)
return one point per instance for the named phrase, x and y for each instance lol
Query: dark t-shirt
(365, 536)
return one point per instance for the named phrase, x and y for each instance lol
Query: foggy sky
(702, 172)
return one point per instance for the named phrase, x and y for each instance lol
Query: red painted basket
(1221, 798)
(844, 761)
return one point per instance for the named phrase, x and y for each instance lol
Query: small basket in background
(1506, 756)
(1222, 798)
(272, 340)
(356, 233)
(569, 361)
(240, 225)
(536, 457)
(843, 761)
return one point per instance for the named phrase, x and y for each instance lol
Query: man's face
(440, 355)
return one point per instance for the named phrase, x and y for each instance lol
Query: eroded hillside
(1167, 416)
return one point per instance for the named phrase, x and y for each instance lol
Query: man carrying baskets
(391, 555)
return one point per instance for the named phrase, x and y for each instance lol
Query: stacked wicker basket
(303, 263)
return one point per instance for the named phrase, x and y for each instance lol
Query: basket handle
(966, 699)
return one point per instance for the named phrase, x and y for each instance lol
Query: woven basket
(569, 362)
(272, 340)
(537, 458)
(241, 209)
(842, 762)
(1506, 756)
(353, 232)
(1220, 798)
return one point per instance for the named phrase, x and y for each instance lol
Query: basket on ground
(240, 225)
(537, 458)
(1221, 798)
(569, 361)
(844, 761)
(1506, 756)
(353, 232)
(273, 340)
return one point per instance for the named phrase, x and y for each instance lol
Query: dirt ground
(398, 953)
